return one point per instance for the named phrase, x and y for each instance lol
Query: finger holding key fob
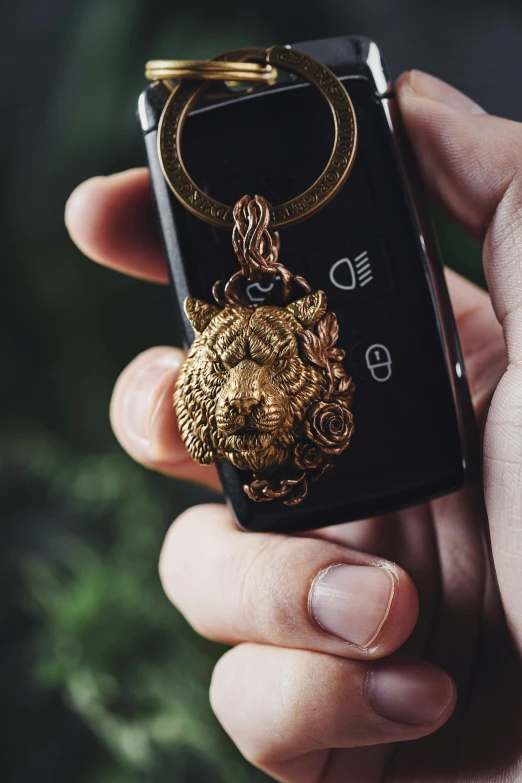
(325, 377)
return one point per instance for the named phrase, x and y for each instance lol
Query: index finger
(112, 220)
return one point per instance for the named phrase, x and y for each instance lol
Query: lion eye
(280, 364)
(219, 367)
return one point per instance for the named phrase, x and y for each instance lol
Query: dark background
(100, 679)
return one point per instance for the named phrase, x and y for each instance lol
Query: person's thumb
(472, 163)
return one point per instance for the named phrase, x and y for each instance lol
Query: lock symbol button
(379, 362)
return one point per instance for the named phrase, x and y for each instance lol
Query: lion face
(244, 389)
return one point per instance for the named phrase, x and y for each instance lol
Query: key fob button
(379, 362)
(352, 271)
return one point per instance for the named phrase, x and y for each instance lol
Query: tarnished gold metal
(187, 93)
(214, 70)
(264, 387)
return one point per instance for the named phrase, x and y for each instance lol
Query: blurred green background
(101, 680)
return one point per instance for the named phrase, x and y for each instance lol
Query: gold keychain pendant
(263, 386)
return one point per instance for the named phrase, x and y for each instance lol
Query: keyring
(161, 70)
(185, 96)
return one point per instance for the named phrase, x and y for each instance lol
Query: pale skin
(326, 686)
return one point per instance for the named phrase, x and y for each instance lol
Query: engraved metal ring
(187, 93)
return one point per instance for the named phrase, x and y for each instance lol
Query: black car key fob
(371, 250)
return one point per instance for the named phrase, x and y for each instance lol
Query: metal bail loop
(256, 246)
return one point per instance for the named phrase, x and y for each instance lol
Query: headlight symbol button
(345, 274)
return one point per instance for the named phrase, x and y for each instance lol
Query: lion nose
(244, 405)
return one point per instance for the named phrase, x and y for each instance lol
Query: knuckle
(252, 564)
(304, 695)
(308, 706)
(250, 578)
(319, 699)
(261, 577)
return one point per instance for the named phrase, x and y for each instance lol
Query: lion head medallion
(264, 387)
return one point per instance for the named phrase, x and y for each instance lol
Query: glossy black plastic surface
(364, 251)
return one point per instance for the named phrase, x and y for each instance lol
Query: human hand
(314, 689)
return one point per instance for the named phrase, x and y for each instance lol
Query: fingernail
(408, 692)
(352, 601)
(428, 86)
(144, 395)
